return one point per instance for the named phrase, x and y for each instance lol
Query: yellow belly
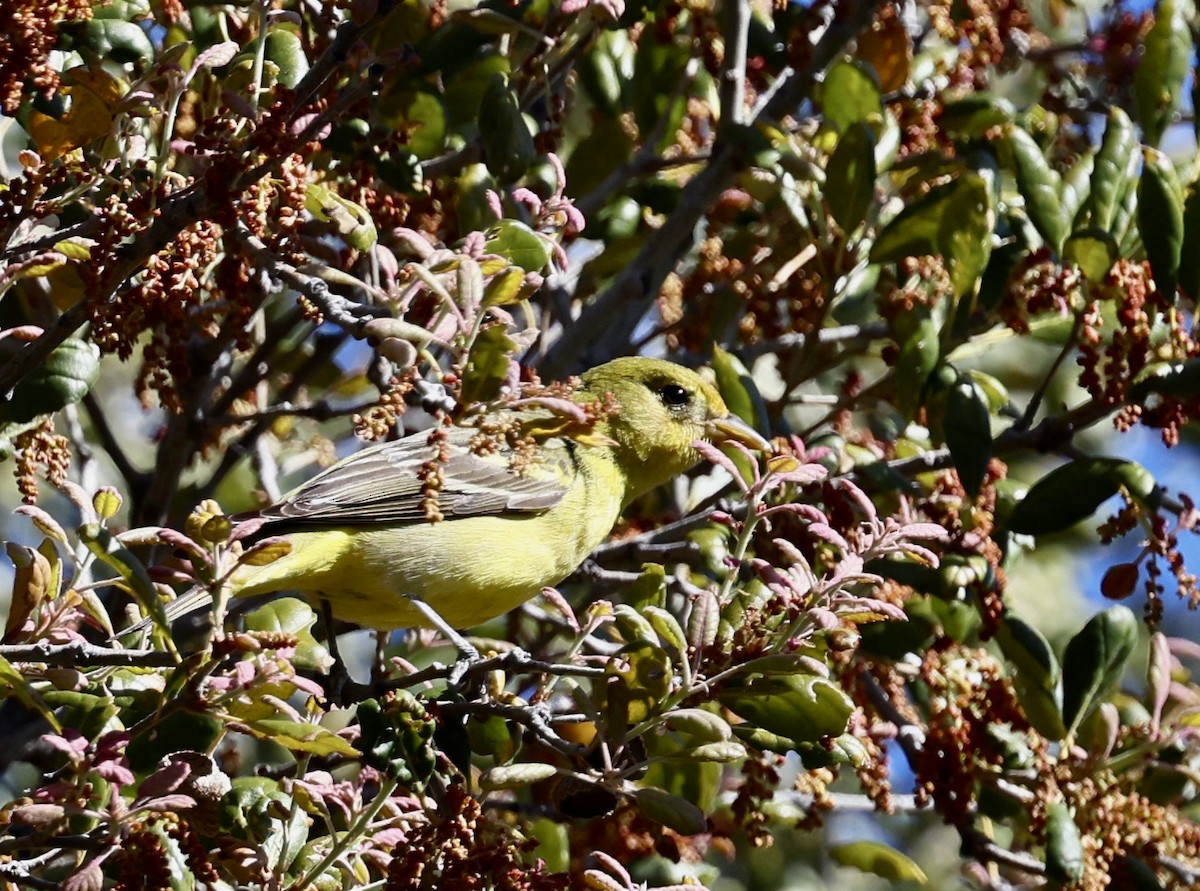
(367, 573)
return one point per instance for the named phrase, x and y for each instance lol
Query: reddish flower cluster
(1038, 285)
(968, 697)
(1116, 821)
(40, 447)
(990, 34)
(1116, 48)
(28, 32)
(760, 779)
(1160, 546)
(459, 848)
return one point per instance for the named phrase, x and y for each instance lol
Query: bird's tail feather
(186, 603)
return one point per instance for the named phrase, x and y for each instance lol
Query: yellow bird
(360, 538)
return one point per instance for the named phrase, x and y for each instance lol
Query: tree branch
(75, 655)
(618, 311)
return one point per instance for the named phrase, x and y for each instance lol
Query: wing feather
(381, 484)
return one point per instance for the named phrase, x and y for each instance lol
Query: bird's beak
(732, 428)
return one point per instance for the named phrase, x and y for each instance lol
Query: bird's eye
(674, 395)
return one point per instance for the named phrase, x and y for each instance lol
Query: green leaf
(666, 626)
(702, 726)
(671, 811)
(257, 809)
(672, 770)
(1158, 81)
(1094, 251)
(1160, 219)
(293, 617)
(724, 752)
(1110, 174)
(504, 288)
(553, 843)
(121, 41)
(974, 115)
(1036, 675)
(13, 684)
(88, 713)
(1189, 255)
(878, 859)
(968, 432)
(600, 74)
(955, 220)
(66, 376)
(1180, 379)
(1071, 493)
(493, 737)
(914, 231)
(1077, 185)
(965, 234)
(647, 673)
(634, 628)
(105, 547)
(604, 148)
(487, 365)
(287, 52)
(737, 387)
(1135, 874)
(802, 708)
(298, 736)
(850, 177)
(648, 589)
(418, 113)
(1094, 660)
(518, 244)
(516, 776)
(656, 63)
(396, 737)
(1040, 185)
(350, 220)
(993, 390)
(1064, 845)
(919, 353)
(507, 143)
(850, 94)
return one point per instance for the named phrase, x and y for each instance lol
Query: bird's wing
(382, 485)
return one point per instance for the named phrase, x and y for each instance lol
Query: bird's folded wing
(383, 484)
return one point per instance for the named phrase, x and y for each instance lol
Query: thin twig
(134, 479)
(840, 334)
(732, 93)
(349, 316)
(535, 717)
(75, 655)
(321, 410)
(514, 661)
(1035, 401)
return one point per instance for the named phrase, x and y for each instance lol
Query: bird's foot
(468, 658)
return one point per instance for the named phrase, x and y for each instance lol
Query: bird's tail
(185, 604)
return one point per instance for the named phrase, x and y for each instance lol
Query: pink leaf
(560, 605)
(827, 533)
(88, 877)
(216, 55)
(168, 803)
(715, 456)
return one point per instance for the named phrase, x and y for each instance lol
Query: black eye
(674, 395)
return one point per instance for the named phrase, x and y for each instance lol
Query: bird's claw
(468, 658)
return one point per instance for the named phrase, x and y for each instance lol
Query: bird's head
(663, 409)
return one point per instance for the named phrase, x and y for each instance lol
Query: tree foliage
(921, 244)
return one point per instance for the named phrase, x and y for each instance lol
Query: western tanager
(361, 538)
